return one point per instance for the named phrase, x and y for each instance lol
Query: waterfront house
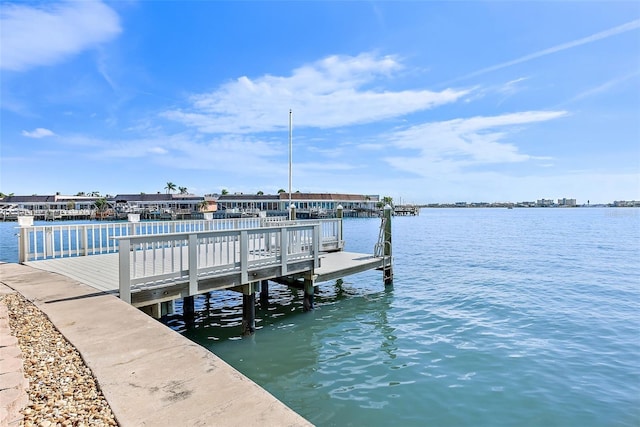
(308, 205)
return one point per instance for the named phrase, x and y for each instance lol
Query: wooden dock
(406, 210)
(151, 269)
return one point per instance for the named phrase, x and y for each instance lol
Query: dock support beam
(387, 271)
(248, 310)
(166, 308)
(188, 311)
(264, 291)
(309, 290)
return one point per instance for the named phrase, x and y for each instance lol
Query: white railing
(151, 261)
(69, 240)
(330, 231)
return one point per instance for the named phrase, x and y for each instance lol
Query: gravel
(62, 390)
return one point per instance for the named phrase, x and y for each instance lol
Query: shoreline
(148, 373)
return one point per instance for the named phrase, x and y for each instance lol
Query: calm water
(496, 317)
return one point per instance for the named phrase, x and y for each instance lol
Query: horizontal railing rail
(150, 261)
(70, 240)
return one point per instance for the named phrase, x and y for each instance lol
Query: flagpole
(290, 160)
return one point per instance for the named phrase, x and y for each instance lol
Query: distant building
(152, 206)
(544, 203)
(44, 203)
(567, 202)
(307, 204)
(626, 203)
(136, 203)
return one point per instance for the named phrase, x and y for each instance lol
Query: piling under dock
(149, 374)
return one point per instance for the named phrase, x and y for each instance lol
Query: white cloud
(329, 93)
(446, 147)
(603, 88)
(157, 150)
(45, 35)
(38, 133)
(629, 26)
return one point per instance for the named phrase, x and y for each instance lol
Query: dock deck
(101, 272)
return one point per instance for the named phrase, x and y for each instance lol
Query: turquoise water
(496, 318)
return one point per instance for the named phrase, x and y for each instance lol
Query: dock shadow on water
(218, 315)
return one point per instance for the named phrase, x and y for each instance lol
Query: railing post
(23, 244)
(133, 219)
(23, 240)
(124, 264)
(48, 242)
(85, 241)
(284, 249)
(193, 264)
(244, 257)
(316, 245)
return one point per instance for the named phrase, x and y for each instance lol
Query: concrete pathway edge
(14, 386)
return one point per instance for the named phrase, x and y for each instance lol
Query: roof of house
(297, 196)
(159, 197)
(29, 199)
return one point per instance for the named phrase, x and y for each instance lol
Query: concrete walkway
(149, 374)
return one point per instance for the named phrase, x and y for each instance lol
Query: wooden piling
(309, 290)
(188, 311)
(248, 310)
(264, 291)
(387, 271)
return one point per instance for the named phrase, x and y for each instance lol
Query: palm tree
(182, 190)
(281, 191)
(225, 192)
(203, 205)
(101, 206)
(170, 187)
(260, 193)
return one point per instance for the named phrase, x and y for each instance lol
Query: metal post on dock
(387, 271)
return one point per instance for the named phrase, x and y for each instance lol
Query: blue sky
(421, 101)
